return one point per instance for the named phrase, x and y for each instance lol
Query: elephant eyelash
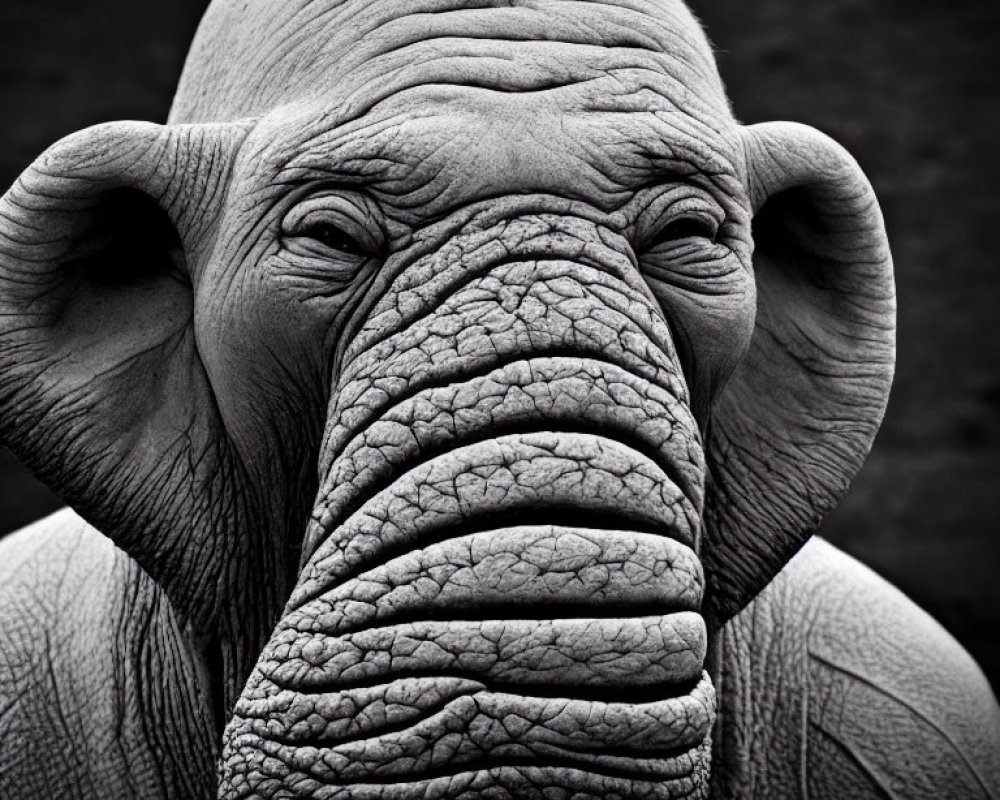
(677, 214)
(338, 223)
(335, 238)
(687, 227)
(687, 249)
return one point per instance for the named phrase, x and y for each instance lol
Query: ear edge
(76, 318)
(795, 423)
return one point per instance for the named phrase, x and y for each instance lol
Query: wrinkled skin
(455, 381)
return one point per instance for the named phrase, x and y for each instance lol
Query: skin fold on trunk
(500, 583)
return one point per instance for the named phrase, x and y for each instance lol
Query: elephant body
(457, 386)
(815, 700)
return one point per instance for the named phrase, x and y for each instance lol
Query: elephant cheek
(501, 589)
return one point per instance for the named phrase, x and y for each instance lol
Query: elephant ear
(794, 424)
(102, 393)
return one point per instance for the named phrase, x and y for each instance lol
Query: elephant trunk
(501, 588)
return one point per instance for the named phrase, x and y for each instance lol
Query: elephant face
(471, 360)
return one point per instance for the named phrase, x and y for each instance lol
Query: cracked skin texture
(451, 383)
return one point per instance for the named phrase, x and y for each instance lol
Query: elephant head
(457, 369)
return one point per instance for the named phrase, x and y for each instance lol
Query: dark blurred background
(912, 89)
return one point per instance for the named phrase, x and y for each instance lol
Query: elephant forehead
(251, 56)
(438, 145)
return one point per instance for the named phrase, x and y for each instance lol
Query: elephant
(445, 400)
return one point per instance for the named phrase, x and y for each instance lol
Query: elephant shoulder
(81, 626)
(56, 578)
(54, 574)
(834, 666)
(38, 559)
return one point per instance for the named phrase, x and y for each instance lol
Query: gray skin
(441, 396)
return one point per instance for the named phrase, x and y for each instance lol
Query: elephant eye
(686, 228)
(329, 235)
(334, 225)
